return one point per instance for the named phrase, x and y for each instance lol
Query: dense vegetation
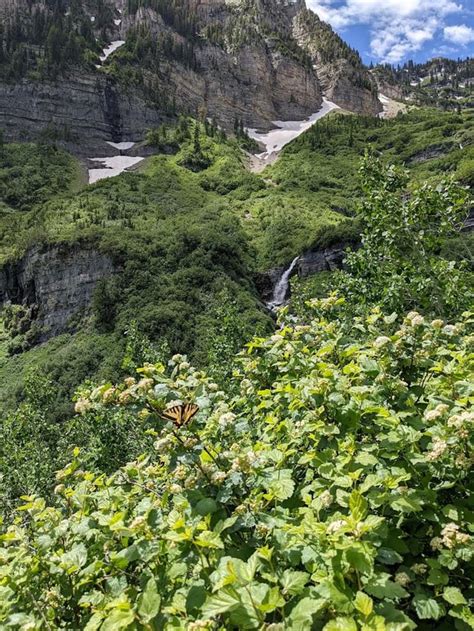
(167, 228)
(42, 40)
(32, 174)
(315, 183)
(325, 487)
(180, 252)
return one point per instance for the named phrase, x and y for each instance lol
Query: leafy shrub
(331, 492)
(398, 265)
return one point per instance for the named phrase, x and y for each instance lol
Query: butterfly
(181, 414)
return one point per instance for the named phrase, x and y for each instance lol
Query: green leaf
(294, 582)
(281, 486)
(206, 506)
(427, 608)
(382, 587)
(75, 558)
(388, 556)
(363, 603)
(149, 602)
(437, 577)
(341, 624)
(226, 599)
(407, 504)
(244, 572)
(124, 557)
(118, 619)
(453, 596)
(272, 601)
(209, 539)
(196, 598)
(358, 506)
(301, 616)
(359, 558)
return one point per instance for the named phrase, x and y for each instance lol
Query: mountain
(440, 82)
(251, 61)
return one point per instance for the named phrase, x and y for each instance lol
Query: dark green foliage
(43, 40)
(20, 327)
(27, 448)
(31, 174)
(398, 266)
(175, 246)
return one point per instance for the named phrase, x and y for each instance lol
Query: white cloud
(460, 34)
(397, 27)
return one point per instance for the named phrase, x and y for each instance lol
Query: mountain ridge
(256, 62)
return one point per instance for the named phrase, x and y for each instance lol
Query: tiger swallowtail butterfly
(181, 414)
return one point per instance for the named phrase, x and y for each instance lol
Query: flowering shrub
(332, 492)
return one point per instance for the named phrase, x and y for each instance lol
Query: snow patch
(121, 146)
(111, 48)
(287, 131)
(111, 167)
(385, 104)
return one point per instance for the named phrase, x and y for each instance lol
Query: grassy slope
(320, 168)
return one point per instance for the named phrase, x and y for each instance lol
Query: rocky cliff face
(241, 70)
(85, 109)
(343, 77)
(59, 281)
(259, 61)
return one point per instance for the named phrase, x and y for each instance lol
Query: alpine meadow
(236, 320)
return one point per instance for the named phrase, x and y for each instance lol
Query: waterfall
(281, 288)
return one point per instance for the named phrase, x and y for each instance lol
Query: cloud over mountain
(399, 28)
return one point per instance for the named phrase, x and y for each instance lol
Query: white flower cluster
(326, 499)
(438, 448)
(451, 536)
(226, 419)
(414, 319)
(402, 579)
(462, 420)
(437, 412)
(82, 406)
(335, 526)
(381, 341)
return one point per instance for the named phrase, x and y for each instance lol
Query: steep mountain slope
(440, 82)
(343, 76)
(254, 62)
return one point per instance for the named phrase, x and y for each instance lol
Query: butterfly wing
(180, 414)
(190, 411)
(173, 414)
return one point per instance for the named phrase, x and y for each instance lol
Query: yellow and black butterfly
(181, 414)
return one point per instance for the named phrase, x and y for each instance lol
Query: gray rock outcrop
(85, 109)
(59, 280)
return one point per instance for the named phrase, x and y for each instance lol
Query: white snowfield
(385, 104)
(121, 146)
(287, 131)
(111, 48)
(110, 167)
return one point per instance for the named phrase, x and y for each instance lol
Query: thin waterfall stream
(280, 293)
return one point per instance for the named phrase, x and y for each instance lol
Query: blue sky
(397, 30)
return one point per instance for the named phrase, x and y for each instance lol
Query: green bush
(331, 492)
